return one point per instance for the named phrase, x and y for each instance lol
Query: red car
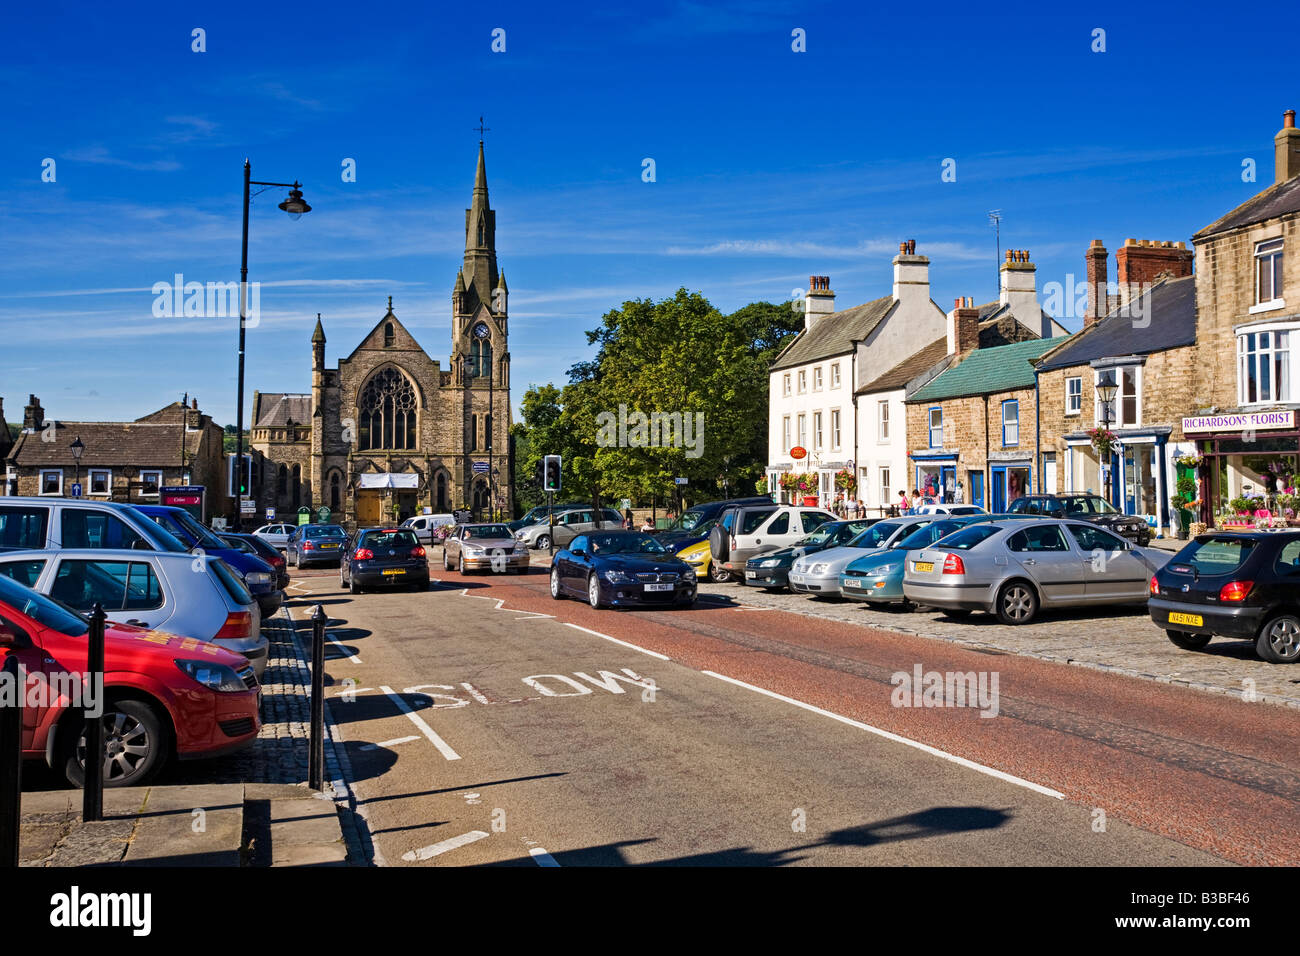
(164, 695)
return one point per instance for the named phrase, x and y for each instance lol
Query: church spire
(480, 271)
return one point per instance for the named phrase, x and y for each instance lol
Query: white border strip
(587, 630)
(443, 747)
(455, 843)
(926, 748)
(541, 857)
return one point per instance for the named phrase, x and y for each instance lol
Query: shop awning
(389, 480)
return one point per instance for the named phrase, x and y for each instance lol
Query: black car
(1238, 584)
(1084, 507)
(683, 527)
(617, 568)
(386, 558)
(772, 570)
(252, 544)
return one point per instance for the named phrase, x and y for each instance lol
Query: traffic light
(541, 472)
(247, 477)
(551, 479)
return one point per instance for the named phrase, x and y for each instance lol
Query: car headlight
(770, 563)
(818, 569)
(257, 577)
(688, 575)
(521, 548)
(216, 677)
(884, 569)
(618, 577)
(472, 549)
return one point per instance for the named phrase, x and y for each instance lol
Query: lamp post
(1106, 391)
(77, 449)
(295, 206)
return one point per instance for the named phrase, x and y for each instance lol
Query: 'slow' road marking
(541, 857)
(587, 630)
(443, 747)
(383, 745)
(933, 751)
(429, 852)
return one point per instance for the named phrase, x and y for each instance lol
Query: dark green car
(772, 570)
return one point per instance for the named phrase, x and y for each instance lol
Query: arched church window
(389, 335)
(336, 495)
(480, 357)
(387, 411)
(297, 486)
(281, 483)
(473, 433)
(480, 232)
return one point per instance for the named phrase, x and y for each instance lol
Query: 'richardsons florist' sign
(1244, 421)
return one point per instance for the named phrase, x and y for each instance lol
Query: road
(486, 723)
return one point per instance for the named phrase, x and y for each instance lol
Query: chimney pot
(1288, 119)
(902, 248)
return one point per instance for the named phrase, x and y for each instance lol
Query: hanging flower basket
(845, 481)
(1103, 440)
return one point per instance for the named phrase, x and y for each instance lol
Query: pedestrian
(648, 524)
(904, 506)
(960, 496)
(627, 519)
(861, 510)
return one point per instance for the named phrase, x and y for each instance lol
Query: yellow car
(698, 556)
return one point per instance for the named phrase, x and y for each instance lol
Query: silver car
(819, 573)
(1014, 568)
(276, 535)
(483, 547)
(568, 525)
(189, 595)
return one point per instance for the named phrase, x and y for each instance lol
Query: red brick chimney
(1098, 302)
(1143, 262)
(1286, 149)
(963, 327)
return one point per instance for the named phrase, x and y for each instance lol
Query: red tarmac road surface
(1212, 772)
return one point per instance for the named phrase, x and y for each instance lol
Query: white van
(424, 525)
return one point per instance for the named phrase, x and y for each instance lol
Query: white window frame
(1292, 332)
(1118, 420)
(785, 384)
(801, 428)
(803, 381)
(835, 375)
(882, 422)
(931, 427)
(150, 471)
(1268, 260)
(1005, 405)
(835, 429)
(1075, 407)
(40, 482)
(108, 482)
(785, 435)
(886, 492)
(817, 378)
(817, 431)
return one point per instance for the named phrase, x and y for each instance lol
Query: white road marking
(499, 606)
(350, 691)
(384, 745)
(443, 747)
(926, 748)
(541, 857)
(474, 693)
(352, 657)
(429, 852)
(578, 627)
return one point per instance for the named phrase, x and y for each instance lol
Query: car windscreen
(928, 535)
(625, 544)
(1086, 505)
(159, 537)
(687, 521)
(394, 538)
(323, 531)
(43, 610)
(1213, 555)
(202, 535)
(239, 544)
(876, 535)
(967, 538)
(230, 581)
(487, 532)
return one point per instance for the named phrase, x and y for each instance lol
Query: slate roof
(108, 444)
(1279, 199)
(908, 369)
(274, 409)
(834, 334)
(1165, 319)
(991, 311)
(984, 371)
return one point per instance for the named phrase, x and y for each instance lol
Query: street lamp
(295, 206)
(1107, 388)
(77, 449)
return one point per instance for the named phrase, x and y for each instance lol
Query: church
(390, 431)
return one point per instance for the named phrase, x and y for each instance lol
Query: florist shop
(1248, 468)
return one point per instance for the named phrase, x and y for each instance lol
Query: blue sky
(771, 165)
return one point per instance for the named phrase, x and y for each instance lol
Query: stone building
(390, 430)
(121, 461)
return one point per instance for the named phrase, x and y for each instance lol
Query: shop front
(1009, 479)
(1248, 468)
(935, 476)
(1133, 477)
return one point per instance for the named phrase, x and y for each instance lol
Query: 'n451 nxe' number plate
(1195, 620)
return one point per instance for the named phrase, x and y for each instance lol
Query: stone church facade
(391, 431)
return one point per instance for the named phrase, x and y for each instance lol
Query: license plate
(658, 587)
(394, 570)
(751, 574)
(923, 567)
(853, 583)
(1193, 619)
(328, 545)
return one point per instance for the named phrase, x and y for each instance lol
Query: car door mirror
(13, 636)
(140, 544)
(579, 553)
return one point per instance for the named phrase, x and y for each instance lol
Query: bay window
(1264, 366)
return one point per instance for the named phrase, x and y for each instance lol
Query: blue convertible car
(617, 568)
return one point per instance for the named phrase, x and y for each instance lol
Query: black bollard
(92, 795)
(316, 759)
(11, 764)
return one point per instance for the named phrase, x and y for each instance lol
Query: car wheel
(343, 581)
(1187, 640)
(544, 543)
(446, 559)
(956, 613)
(593, 591)
(1017, 603)
(133, 745)
(1279, 640)
(555, 584)
(460, 563)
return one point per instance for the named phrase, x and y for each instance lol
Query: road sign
(248, 507)
(682, 481)
(480, 468)
(322, 514)
(304, 516)
(76, 491)
(270, 514)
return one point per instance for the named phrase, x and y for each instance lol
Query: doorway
(976, 480)
(369, 507)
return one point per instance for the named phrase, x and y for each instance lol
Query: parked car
(425, 525)
(1013, 568)
(195, 596)
(539, 514)
(743, 531)
(617, 568)
(316, 544)
(276, 535)
(28, 523)
(483, 547)
(1243, 585)
(697, 555)
(690, 523)
(938, 508)
(771, 570)
(252, 544)
(387, 557)
(1084, 507)
(877, 577)
(568, 524)
(818, 574)
(165, 696)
